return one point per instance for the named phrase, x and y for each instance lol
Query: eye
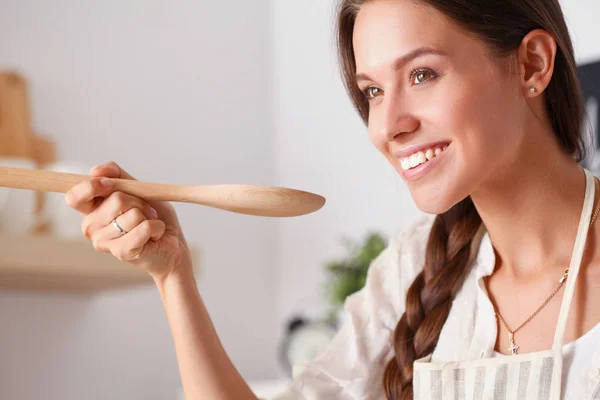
(371, 92)
(420, 76)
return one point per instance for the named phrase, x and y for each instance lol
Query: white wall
(176, 93)
(314, 118)
(582, 19)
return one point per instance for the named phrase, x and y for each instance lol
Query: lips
(407, 151)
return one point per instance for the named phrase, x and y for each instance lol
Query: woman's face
(444, 111)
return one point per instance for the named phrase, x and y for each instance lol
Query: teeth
(420, 157)
(414, 160)
(404, 164)
(429, 154)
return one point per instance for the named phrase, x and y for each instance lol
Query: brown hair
(502, 25)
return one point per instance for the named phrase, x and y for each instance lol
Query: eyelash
(412, 75)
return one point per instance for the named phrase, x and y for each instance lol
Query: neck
(532, 212)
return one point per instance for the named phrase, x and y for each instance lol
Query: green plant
(348, 275)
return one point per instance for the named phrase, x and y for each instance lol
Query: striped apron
(530, 376)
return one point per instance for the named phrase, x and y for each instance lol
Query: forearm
(206, 370)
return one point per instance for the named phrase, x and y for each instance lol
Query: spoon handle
(243, 199)
(62, 182)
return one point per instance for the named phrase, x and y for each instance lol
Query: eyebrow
(402, 60)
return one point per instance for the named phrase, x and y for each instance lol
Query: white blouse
(352, 365)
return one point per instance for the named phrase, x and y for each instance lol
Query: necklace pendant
(513, 347)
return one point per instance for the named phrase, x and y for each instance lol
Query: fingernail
(154, 213)
(106, 182)
(94, 168)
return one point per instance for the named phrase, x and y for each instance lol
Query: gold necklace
(511, 334)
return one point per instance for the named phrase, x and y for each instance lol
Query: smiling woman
(477, 106)
(495, 87)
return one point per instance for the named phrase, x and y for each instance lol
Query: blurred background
(186, 92)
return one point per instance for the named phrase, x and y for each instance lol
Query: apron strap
(582, 231)
(580, 240)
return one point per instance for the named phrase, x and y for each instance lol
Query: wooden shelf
(48, 263)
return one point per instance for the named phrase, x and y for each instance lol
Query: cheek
(475, 116)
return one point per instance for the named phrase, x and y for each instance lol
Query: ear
(536, 61)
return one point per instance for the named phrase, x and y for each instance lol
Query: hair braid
(430, 297)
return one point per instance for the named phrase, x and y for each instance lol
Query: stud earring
(532, 90)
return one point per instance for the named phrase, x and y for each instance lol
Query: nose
(393, 118)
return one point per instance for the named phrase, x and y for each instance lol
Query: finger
(82, 197)
(110, 169)
(126, 222)
(113, 170)
(115, 204)
(130, 247)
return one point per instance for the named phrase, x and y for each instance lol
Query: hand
(152, 240)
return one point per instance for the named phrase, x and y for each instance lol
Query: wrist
(181, 272)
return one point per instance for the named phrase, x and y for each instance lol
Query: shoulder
(412, 240)
(406, 249)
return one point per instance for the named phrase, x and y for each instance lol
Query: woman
(476, 104)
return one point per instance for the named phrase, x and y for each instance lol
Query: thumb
(110, 170)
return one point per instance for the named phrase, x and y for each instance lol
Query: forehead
(386, 29)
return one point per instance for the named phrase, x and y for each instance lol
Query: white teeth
(420, 157)
(414, 160)
(405, 164)
(429, 154)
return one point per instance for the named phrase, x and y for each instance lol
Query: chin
(432, 201)
(435, 208)
(441, 189)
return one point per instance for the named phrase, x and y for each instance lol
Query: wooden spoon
(266, 201)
